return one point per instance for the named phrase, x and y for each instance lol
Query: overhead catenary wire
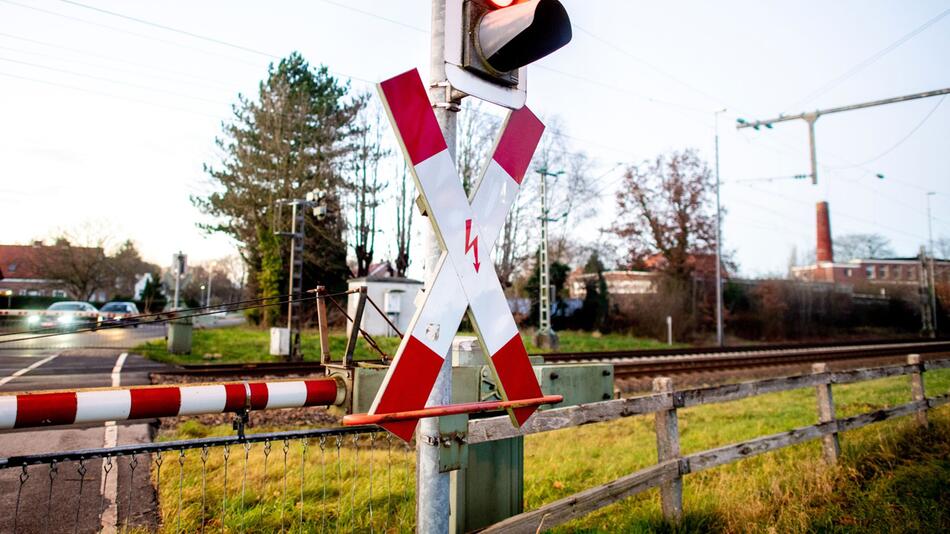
(831, 84)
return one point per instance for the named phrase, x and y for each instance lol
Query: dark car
(68, 315)
(119, 313)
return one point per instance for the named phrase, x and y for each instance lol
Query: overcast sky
(108, 119)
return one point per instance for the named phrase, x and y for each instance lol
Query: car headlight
(33, 319)
(65, 319)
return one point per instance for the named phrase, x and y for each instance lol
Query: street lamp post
(719, 337)
(933, 279)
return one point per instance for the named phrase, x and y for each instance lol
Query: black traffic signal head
(498, 40)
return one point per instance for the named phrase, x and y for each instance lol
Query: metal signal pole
(546, 337)
(432, 487)
(812, 116)
(719, 338)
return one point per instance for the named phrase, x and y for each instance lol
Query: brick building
(21, 271)
(863, 272)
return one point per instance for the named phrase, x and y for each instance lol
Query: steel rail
(629, 359)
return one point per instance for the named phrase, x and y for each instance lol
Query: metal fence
(323, 480)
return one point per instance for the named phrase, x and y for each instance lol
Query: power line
(101, 93)
(171, 29)
(104, 79)
(127, 32)
(903, 139)
(868, 61)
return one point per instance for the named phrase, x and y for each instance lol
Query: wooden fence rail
(664, 402)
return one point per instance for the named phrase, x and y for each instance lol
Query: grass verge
(893, 476)
(249, 344)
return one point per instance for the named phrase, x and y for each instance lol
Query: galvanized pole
(177, 277)
(544, 272)
(933, 279)
(296, 279)
(432, 487)
(719, 338)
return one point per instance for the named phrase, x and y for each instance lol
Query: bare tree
(664, 209)
(404, 212)
(942, 247)
(366, 187)
(78, 259)
(474, 141)
(855, 246)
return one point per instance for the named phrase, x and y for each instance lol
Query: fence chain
(372, 449)
(339, 480)
(53, 471)
(389, 478)
(247, 452)
(305, 443)
(133, 463)
(181, 480)
(205, 451)
(82, 480)
(106, 468)
(353, 475)
(323, 466)
(24, 476)
(283, 491)
(224, 494)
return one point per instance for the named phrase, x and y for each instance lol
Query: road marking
(108, 485)
(27, 369)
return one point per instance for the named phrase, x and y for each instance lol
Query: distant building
(618, 282)
(861, 272)
(21, 271)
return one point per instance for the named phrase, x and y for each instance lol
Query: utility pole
(179, 261)
(719, 338)
(546, 337)
(933, 278)
(923, 290)
(812, 116)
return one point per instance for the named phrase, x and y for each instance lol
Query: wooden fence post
(826, 413)
(917, 386)
(668, 448)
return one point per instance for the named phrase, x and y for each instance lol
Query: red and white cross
(467, 230)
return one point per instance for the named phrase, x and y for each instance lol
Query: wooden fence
(668, 473)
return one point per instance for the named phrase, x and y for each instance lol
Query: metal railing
(323, 480)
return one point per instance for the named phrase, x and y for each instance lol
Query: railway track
(644, 363)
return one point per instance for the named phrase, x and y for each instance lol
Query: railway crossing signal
(489, 43)
(462, 280)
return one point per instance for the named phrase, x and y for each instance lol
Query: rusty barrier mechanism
(99, 405)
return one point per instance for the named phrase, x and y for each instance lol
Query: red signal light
(501, 3)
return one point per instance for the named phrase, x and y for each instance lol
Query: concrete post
(668, 448)
(917, 386)
(831, 447)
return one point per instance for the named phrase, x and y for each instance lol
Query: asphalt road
(64, 498)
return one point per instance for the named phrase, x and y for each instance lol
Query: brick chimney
(824, 252)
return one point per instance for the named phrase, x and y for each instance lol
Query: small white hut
(395, 297)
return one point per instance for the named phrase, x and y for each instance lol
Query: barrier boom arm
(98, 405)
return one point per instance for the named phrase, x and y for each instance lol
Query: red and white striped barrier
(99, 405)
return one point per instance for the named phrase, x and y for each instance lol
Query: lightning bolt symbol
(471, 244)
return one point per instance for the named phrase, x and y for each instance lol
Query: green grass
(893, 476)
(248, 344)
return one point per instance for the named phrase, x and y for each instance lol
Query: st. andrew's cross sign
(464, 277)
